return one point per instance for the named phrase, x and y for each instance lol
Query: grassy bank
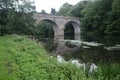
(24, 59)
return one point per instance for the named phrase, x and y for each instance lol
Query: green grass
(24, 59)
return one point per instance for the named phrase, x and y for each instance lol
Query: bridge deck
(55, 16)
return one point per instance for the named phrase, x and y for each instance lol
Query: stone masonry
(59, 23)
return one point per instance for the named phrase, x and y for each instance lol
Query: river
(87, 50)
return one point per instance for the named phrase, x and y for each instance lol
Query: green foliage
(101, 20)
(108, 72)
(98, 17)
(70, 10)
(24, 59)
(16, 16)
(24, 24)
(43, 12)
(21, 58)
(116, 5)
(76, 10)
(64, 9)
(44, 30)
(95, 17)
(114, 19)
(69, 31)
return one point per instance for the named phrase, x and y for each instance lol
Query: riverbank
(23, 59)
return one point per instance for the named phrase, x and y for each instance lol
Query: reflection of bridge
(59, 23)
(63, 48)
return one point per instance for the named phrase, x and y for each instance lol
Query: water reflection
(94, 54)
(85, 52)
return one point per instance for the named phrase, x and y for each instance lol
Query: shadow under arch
(75, 29)
(54, 26)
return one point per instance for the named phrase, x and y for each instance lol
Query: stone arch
(59, 24)
(54, 25)
(76, 29)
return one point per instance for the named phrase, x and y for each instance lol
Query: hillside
(23, 59)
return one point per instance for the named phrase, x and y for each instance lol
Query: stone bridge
(59, 23)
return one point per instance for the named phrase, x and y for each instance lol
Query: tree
(53, 11)
(43, 12)
(6, 16)
(76, 10)
(96, 17)
(24, 6)
(116, 5)
(16, 16)
(69, 10)
(64, 9)
(45, 30)
(114, 19)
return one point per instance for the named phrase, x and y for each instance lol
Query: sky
(48, 4)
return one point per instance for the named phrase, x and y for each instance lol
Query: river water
(87, 50)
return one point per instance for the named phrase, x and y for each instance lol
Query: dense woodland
(98, 17)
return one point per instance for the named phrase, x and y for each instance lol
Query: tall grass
(108, 72)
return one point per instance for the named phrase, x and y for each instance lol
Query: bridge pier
(77, 34)
(59, 34)
(77, 37)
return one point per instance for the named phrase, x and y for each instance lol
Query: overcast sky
(48, 4)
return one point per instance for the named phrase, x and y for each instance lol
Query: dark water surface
(93, 50)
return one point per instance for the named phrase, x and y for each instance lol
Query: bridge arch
(54, 25)
(76, 29)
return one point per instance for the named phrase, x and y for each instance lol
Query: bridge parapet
(36, 15)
